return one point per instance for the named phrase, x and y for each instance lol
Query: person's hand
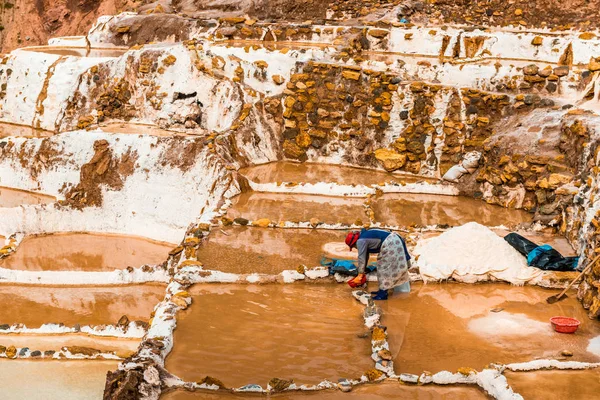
(360, 280)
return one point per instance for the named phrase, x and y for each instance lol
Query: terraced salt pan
(13, 198)
(583, 384)
(314, 173)
(54, 380)
(35, 306)
(447, 326)
(297, 208)
(245, 250)
(22, 130)
(408, 209)
(244, 334)
(121, 347)
(77, 51)
(85, 252)
(388, 390)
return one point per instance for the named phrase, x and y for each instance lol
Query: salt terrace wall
(120, 183)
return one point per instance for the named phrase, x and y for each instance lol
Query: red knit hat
(352, 238)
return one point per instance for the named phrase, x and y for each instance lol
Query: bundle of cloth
(542, 257)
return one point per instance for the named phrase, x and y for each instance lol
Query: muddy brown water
(297, 208)
(54, 380)
(447, 326)
(387, 390)
(264, 250)
(556, 385)
(14, 197)
(244, 334)
(8, 129)
(35, 306)
(284, 171)
(407, 209)
(85, 252)
(122, 347)
(78, 51)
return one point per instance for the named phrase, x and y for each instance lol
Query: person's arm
(363, 246)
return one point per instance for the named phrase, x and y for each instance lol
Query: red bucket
(564, 324)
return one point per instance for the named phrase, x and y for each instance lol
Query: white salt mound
(471, 253)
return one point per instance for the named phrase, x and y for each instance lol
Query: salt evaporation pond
(77, 51)
(297, 208)
(243, 334)
(408, 209)
(388, 390)
(242, 250)
(85, 252)
(285, 171)
(583, 384)
(122, 347)
(35, 305)
(448, 326)
(54, 380)
(13, 197)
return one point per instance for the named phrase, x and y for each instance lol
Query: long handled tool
(562, 295)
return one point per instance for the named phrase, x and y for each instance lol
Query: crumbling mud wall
(117, 183)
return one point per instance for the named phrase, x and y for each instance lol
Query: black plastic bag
(546, 259)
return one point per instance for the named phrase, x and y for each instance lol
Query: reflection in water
(447, 326)
(85, 252)
(297, 208)
(54, 380)
(35, 306)
(14, 198)
(408, 209)
(251, 334)
(312, 173)
(270, 251)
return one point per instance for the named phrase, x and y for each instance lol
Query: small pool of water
(408, 209)
(387, 390)
(284, 171)
(35, 305)
(447, 326)
(297, 208)
(14, 197)
(121, 347)
(583, 384)
(7, 129)
(244, 334)
(85, 252)
(54, 380)
(78, 51)
(245, 250)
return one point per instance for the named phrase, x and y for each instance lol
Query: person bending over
(392, 262)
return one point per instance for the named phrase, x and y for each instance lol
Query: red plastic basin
(564, 324)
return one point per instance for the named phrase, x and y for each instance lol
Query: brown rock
(594, 64)
(11, 352)
(390, 160)
(262, 223)
(353, 75)
(292, 150)
(537, 41)
(530, 69)
(378, 33)
(87, 351)
(278, 79)
(563, 70)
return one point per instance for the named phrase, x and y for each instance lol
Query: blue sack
(344, 267)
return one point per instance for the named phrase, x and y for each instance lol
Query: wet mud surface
(244, 334)
(555, 384)
(14, 198)
(54, 380)
(297, 208)
(314, 173)
(409, 209)
(447, 326)
(85, 252)
(387, 390)
(35, 306)
(264, 250)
